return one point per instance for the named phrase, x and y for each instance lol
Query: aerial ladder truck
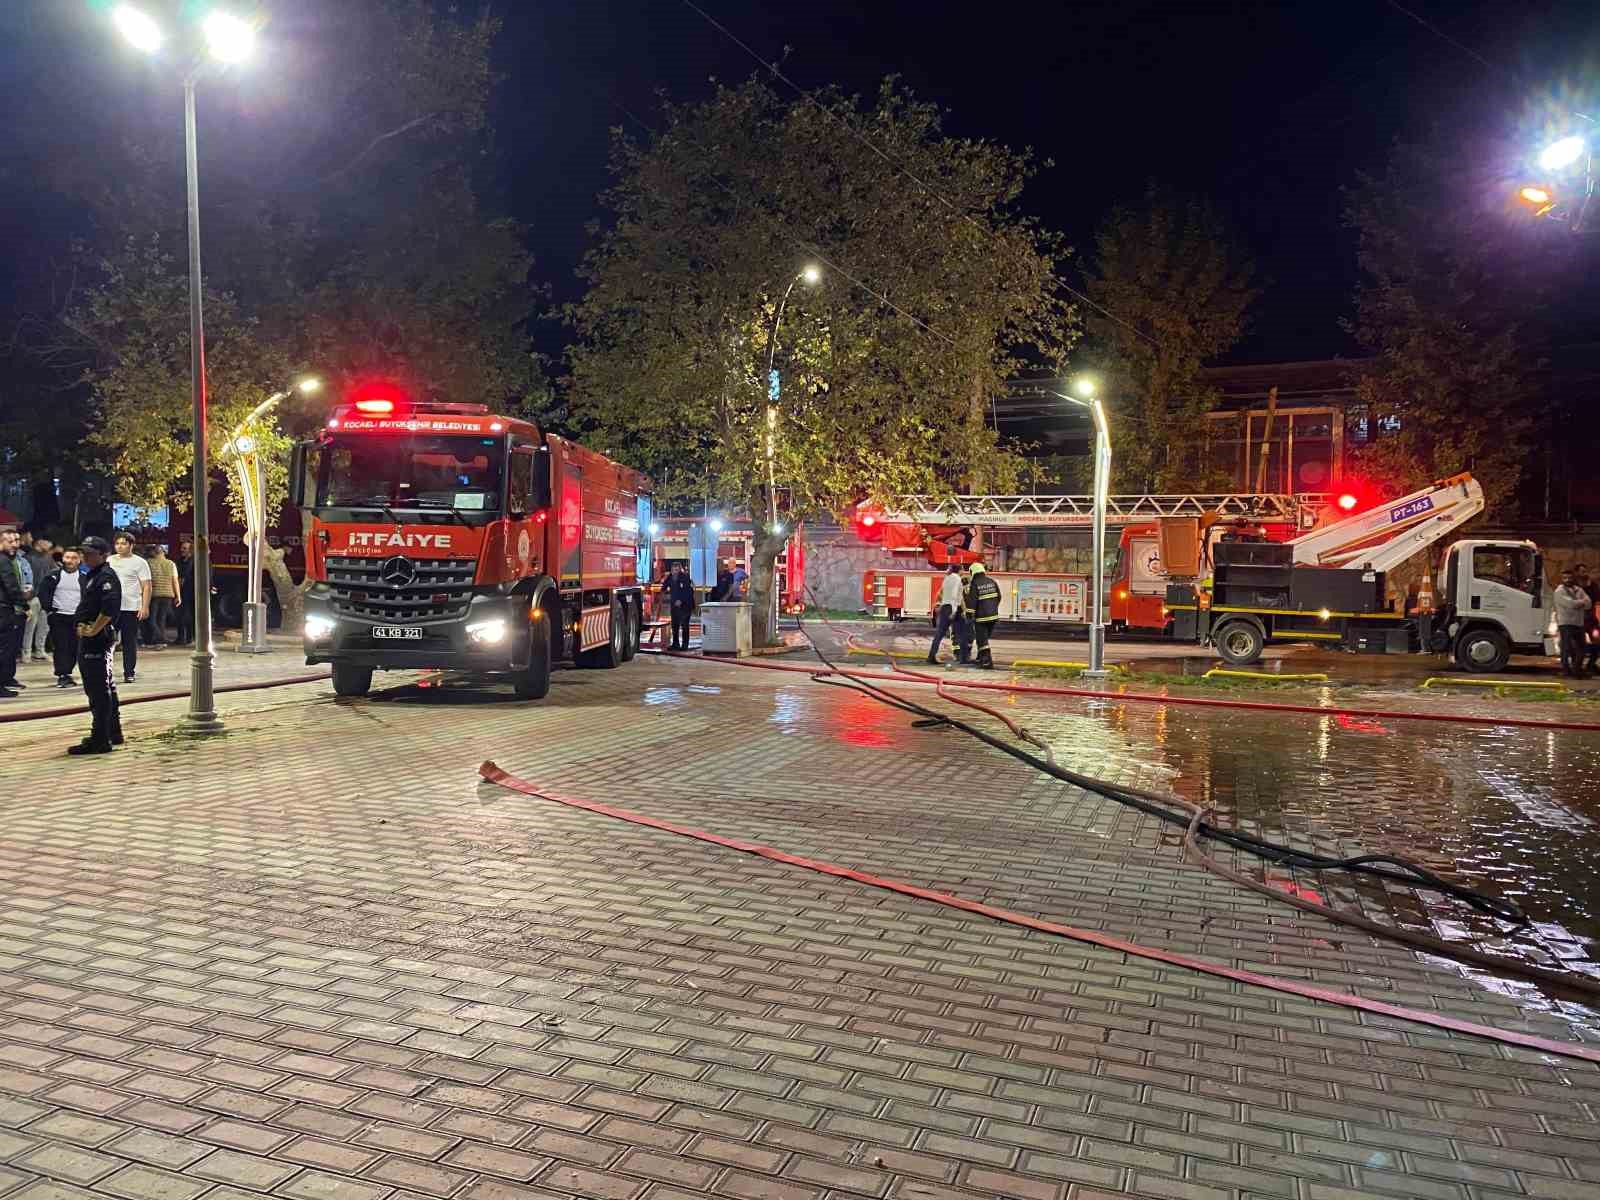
(1330, 586)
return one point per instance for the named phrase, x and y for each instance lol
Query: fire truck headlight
(487, 633)
(318, 628)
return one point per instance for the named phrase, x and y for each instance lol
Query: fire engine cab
(444, 536)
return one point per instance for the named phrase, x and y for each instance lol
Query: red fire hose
(495, 774)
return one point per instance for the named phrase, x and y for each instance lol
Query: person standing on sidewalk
(133, 574)
(100, 614)
(983, 603)
(679, 590)
(185, 564)
(165, 594)
(1591, 625)
(948, 614)
(13, 612)
(1572, 604)
(43, 566)
(60, 597)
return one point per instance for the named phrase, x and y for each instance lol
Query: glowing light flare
(376, 405)
(140, 30)
(716, 525)
(309, 386)
(1563, 153)
(230, 39)
(1535, 195)
(1347, 502)
(869, 520)
(811, 275)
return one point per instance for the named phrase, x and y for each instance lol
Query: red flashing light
(1348, 502)
(378, 406)
(869, 520)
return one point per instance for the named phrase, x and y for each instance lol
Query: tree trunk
(291, 599)
(763, 572)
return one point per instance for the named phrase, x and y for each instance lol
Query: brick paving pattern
(318, 959)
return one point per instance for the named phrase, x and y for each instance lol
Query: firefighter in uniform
(96, 618)
(983, 610)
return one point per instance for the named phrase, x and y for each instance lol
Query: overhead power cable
(900, 168)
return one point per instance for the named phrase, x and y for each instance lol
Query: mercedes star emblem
(398, 571)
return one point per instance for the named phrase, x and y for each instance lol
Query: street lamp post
(810, 275)
(1102, 487)
(228, 40)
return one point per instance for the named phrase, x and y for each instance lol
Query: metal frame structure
(1078, 511)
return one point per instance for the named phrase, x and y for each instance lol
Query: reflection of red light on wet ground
(1360, 724)
(864, 737)
(1296, 890)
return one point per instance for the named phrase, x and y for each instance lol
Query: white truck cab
(1493, 603)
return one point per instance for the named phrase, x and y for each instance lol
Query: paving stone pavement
(319, 959)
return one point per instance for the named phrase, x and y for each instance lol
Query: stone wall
(836, 560)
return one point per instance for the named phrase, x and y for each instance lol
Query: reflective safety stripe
(595, 627)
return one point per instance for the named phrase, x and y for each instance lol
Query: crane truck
(444, 536)
(1330, 586)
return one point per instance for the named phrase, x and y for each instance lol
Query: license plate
(404, 633)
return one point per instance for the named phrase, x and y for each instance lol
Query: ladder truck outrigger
(1329, 586)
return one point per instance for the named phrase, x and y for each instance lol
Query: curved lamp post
(1085, 398)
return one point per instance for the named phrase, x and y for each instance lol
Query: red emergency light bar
(376, 407)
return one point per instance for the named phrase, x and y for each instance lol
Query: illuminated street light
(716, 524)
(810, 275)
(310, 385)
(1535, 195)
(138, 28)
(1562, 154)
(229, 39)
(1084, 386)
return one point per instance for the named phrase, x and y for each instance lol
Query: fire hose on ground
(1191, 818)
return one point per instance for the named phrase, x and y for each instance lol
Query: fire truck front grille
(399, 590)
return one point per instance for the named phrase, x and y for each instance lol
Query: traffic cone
(1425, 599)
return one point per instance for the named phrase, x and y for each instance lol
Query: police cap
(97, 544)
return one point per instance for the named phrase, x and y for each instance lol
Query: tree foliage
(1170, 268)
(1450, 304)
(372, 256)
(931, 290)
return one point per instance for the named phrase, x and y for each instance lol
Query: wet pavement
(318, 958)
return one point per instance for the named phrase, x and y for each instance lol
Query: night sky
(1268, 108)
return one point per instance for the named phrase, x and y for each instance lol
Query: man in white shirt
(134, 575)
(947, 617)
(59, 597)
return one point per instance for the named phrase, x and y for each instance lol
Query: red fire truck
(444, 536)
(965, 529)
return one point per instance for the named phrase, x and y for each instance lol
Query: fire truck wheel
(609, 655)
(534, 682)
(1483, 650)
(351, 680)
(632, 623)
(1239, 642)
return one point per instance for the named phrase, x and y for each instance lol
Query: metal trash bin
(725, 629)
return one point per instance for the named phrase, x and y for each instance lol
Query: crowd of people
(48, 591)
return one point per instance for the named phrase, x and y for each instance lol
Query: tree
(1452, 304)
(883, 371)
(1180, 286)
(374, 258)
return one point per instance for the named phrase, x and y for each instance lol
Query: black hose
(1374, 865)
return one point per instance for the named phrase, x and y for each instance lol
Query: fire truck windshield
(420, 470)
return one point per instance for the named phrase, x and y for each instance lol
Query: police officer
(96, 621)
(679, 590)
(983, 610)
